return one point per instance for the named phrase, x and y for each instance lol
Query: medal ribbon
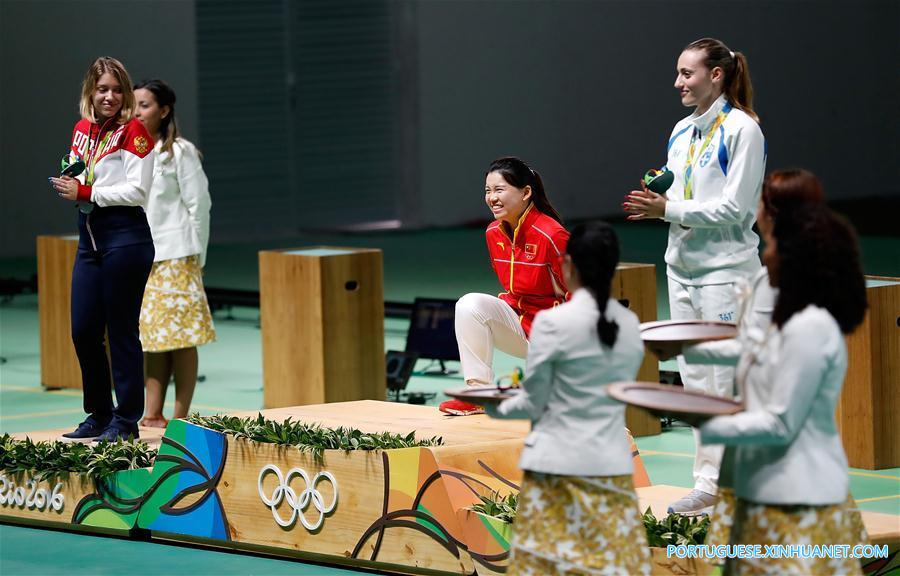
(689, 163)
(95, 152)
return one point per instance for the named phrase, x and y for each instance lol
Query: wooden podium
(59, 364)
(635, 285)
(322, 321)
(869, 411)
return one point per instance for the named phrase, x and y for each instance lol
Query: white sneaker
(694, 503)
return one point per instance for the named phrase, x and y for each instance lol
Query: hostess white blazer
(577, 428)
(178, 204)
(788, 450)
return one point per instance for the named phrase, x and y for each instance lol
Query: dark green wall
(329, 113)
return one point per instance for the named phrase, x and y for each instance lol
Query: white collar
(705, 120)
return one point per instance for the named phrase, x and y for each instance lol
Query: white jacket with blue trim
(711, 237)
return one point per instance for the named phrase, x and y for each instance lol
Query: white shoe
(694, 503)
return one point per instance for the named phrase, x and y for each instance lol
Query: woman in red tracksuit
(115, 251)
(526, 243)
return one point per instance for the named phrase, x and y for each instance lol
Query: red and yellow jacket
(528, 264)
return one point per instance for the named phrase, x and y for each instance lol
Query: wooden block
(50, 501)
(59, 364)
(373, 500)
(488, 540)
(636, 285)
(658, 497)
(662, 564)
(869, 410)
(882, 528)
(322, 320)
(467, 441)
(401, 418)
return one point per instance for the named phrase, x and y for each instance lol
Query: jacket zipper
(87, 223)
(512, 261)
(512, 249)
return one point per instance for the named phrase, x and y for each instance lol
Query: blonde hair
(101, 66)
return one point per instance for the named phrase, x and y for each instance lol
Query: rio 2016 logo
(30, 496)
(310, 495)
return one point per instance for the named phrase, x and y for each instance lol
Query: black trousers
(107, 290)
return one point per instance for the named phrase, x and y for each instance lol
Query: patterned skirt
(174, 313)
(722, 519)
(822, 525)
(578, 525)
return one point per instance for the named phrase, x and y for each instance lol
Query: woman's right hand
(644, 204)
(66, 187)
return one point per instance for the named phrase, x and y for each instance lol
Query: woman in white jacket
(175, 316)
(717, 155)
(791, 476)
(578, 509)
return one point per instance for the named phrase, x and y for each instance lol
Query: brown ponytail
(737, 85)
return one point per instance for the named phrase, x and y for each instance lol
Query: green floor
(441, 263)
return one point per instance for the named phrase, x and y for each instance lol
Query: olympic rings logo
(309, 495)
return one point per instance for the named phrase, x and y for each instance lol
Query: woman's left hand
(644, 204)
(66, 187)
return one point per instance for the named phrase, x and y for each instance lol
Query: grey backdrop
(45, 48)
(424, 94)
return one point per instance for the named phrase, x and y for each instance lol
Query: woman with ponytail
(175, 316)
(525, 242)
(578, 511)
(717, 155)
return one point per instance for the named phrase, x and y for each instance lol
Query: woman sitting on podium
(790, 470)
(577, 507)
(525, 243)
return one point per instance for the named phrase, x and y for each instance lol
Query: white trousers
(483, 323)
(714, 302)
